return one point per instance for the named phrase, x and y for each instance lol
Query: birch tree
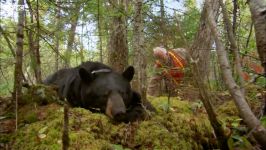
(244, 110)
(18, 75)
(57, 34)
(201, 47)
(139, 61)
(72, 31)
(34, 47)
(258, 15)
(200, 52)
(117, 45)
(99, 17)
(233, 45)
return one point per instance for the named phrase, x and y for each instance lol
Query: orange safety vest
(176, 70)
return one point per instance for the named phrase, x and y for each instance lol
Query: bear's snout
(115, 107)
(120, 117)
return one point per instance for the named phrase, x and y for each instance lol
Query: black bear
(95, 86)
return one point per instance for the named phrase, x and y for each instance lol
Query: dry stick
(249, 34)
(16, 111)
(8, 41)
(65, 136)
(244, 110)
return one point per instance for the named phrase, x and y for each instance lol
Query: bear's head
(108, 91)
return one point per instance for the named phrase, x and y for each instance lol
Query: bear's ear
(129, 73)
(85, 75)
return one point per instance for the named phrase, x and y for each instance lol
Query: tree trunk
(139, 60)
(206, 100)
(18, 75)
(57, 34)
(163, 30)
(258, 15)
(72, 33)
(249, 35)
(235, 9)
(199, 51)
(233, 45)
(117, 45)
(37, 46)
(32, 46)
(201, 47)
(100, 31)
(245, 112)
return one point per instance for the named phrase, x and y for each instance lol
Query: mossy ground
(180, 128)
(181, 125)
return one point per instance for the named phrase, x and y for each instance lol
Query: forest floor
(181, 124)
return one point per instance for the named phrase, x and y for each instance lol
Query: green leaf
(118, 147)
(42, 130)
(237, 138)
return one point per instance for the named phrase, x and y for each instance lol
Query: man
(169, 70)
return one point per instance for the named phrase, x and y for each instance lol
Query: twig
(65, 136)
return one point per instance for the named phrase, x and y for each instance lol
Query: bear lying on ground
(95, 86)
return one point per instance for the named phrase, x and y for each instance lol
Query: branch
(233, 46)
(8, 42)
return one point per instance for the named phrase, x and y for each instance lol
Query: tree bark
(233, 45)
(100, 30)
(117, 45)
(34, 53)
(245, 112)
(235, 9)
(206, 100)
(57, 34)
(65, 136)
(37, 46)
(163, 29)
(258, 15)
(203, 43)
(18, 75)
(139, 60)
(72, 33)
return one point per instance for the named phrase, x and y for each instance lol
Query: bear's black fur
(95, 86)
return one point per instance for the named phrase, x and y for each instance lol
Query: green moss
(228, 108)
(180, 128)
(5, 138)
(31, 117)
(40, 94)
(177, 125)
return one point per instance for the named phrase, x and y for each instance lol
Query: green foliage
(239, 142)
(5, 88)
(261, 81)
(233, 124)
(263, 121)
(30, 118)
(190, 22)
